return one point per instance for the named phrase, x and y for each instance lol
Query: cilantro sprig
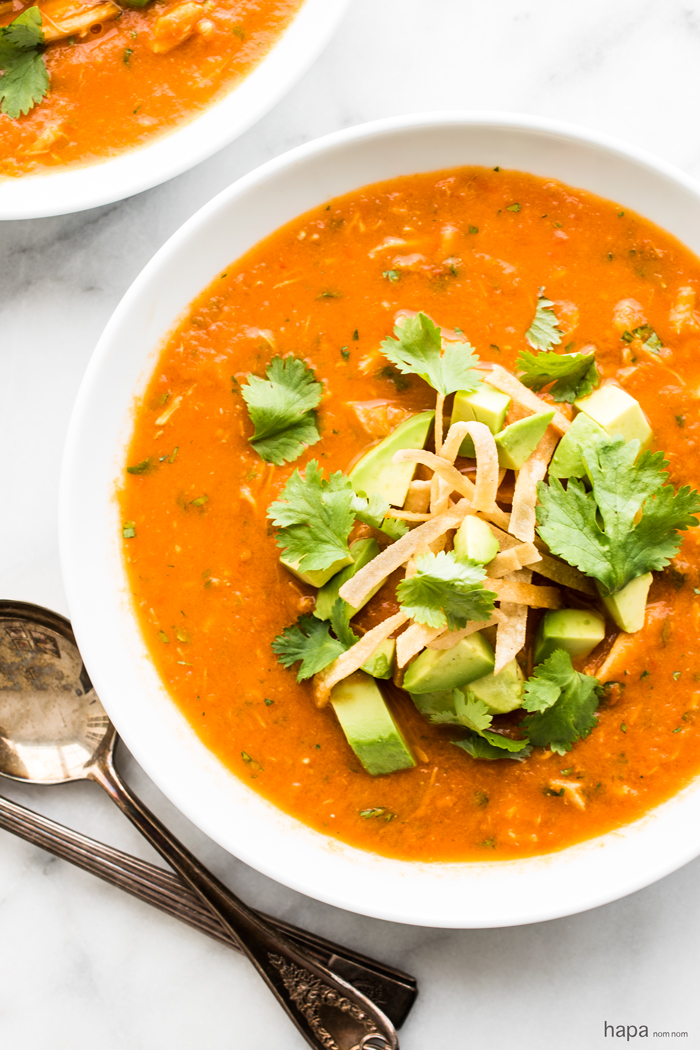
(417, 350)
(573, 375)
(281, 409)
(627, 525)
(25, 79)
(562, 703)
(446, 591)
(544, 332)
(309, 640)
(482, 741)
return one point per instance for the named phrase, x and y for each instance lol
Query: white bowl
(71, 189)
(501, 893)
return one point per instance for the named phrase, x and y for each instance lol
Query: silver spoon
(53, 729)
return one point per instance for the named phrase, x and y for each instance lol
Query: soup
(117, 76)
(512, 263)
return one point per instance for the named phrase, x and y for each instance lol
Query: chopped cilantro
(623, 727)
(281, 409)
(392, 275)
(417, 349)
(268, 702)
(543, 333)
(446, 591)
(344, 353)
(377, 811)
(482, 741)
(308, 640)
(648, 337)
(163, 637)
(127, 56)
(473, 229)
(573, 375)
(141, 468)
(562, 701)
(513, 207)
(25, 79)
(356, 335)
(199, 501)
(601, 532)
(129, 530)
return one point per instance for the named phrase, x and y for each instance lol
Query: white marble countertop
(82, 964)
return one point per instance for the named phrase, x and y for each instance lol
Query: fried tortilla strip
(453, 477)
(512, 630)
(353, 659)
(516, 592)
(487, 472)
(418, 498)
(565, 575)
(61, 19)
(412, 640)
(448, 639)
(356, 589)
(508, 384)
(512, 559)
(523, 517)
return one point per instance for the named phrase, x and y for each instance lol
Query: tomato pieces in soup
(120, 75)
(481, 253)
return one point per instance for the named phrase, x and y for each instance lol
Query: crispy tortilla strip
(445, 470)
(409, 515)
(503, 563)
(508, 384)
(353, 659)
(439, 423)
(355, 590)
(523, 517)
(412, 640)
(565, 575)
(418, 498)
(448, 639)
(516, 592)
(512, 630)
(487, 471)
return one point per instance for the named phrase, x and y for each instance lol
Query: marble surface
(82, 964)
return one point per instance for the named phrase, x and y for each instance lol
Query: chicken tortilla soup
(409, 516)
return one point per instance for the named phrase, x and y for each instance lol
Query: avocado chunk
(438, 669)
(567, 461)
(438, 703)
(369, 726)
(617, 413)
(517, 442)
(362, 552)
(381, 662)
(502, 692)
(485, 405)
(475, 540)
(315, 577)
(376, 473)
(628, 607)
(576, 631)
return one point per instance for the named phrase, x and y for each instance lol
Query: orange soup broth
(109, 92)
(206, 575)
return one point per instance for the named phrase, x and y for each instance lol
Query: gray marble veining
(82, 962)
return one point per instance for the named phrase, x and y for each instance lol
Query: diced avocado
(381, 662)
(617, 413)
(439, 703)
(369, 725)
(485, 405)
(475, 540)
(576, 631)
(628, 606)
(501, 692)
(566, 461)
(315, 577)
(362, 551)
(377, 473)
(517, 442)
(438, 669)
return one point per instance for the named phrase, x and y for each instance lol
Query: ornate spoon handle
(329, 1012)
(391, 989)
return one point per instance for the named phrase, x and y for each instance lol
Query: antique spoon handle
(329, 1012)
(392, 990)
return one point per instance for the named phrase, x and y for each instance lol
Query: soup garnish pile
(398, 527)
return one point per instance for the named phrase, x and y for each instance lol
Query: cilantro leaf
(308, 640)
(446, 591)
(492, 746)
(417, 349)
(340, 622)
(544, 332)
(25, 79)
(468, 712)
(601, 532)
(573, 375)
(281, 410)
(648, 337)
(370, 509)
(563, 703)
(394, 528)
(315, 518)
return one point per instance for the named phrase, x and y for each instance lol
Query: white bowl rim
(62, 191)
(652, 847)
